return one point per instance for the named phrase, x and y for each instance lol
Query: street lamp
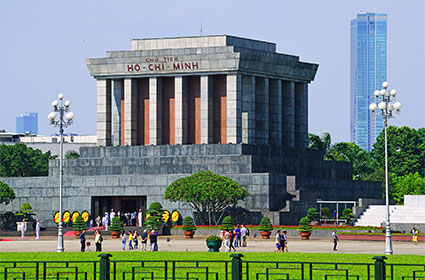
(65, 116)
(387, 105)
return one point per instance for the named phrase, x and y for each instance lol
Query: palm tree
(320, 143)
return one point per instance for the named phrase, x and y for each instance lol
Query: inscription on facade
(165, 63)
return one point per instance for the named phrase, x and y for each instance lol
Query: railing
(235, 269)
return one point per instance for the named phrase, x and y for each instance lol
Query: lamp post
(65, 116)
(387, 105)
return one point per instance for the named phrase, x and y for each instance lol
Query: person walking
(144, 239)
(285, 241)
(244, 233)
(335, 239)
(415, 233)
(98, 221)
(130, 240)
(226, 238)
(135, 239)
(237, 233)
(107, 221)
(278, 240)
(140, 217)
(23, 229)
(37, 229)
(232, 237)
(153, 237)
(98, 239)
(83, 240)
(123, 240)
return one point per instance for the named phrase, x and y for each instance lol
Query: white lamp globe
(69, 116)
(390, 107)
(55, 103)
(397, 106)
(381, 105)
(67, 103)
(373, 107)
(376, 93)
(52, 116)
(382, 92)
(385, 84)
(60, 96)
(393, 92)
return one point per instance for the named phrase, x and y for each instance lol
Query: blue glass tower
(27, 122)
(368, 67)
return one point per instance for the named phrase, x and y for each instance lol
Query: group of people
(37, 229)
(98, 239)
(234, 238)
(281, 241)
(127, 218)
(134, 238)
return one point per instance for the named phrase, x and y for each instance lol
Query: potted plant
(347, 214)
(265, 227)
(116, 227)
(304, 228)
(313, 216)
(188, 227)
(153, 218)
(227, 223)
(78, 226)
(213, 243)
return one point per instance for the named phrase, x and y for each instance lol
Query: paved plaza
(315, 245)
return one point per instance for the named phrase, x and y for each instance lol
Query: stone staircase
(400, 214)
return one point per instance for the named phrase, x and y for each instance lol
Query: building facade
(368, 70)
(27, 122)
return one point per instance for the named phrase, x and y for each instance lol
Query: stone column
(130, 100)
(180, 109)
(234, 112)
(206, 109)
(104, 112)
(248, 109)
(155, 121)
(116, 110)
(288, 114)
(262, 110)
(301, 115)
(275, 107)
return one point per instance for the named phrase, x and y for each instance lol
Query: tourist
(278, 241)
(23, 228)
(130, 240)
(135, 239)
(37, 229)
(83, 240)
(153, 237)
(98, 221)
(144, 239)
(226, 238)
(237, 233)
(134, 218)
(106, 223)
(98, 239)
(285, 241)
(335, 239)
(415, 233)
(123, 240)
(244, 233)
(140, 217)
(112, 215)
(232, 237)
(91, 224)
(126, 220)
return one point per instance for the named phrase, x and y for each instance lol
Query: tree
(408, 184)
(72, 154)
(319, 143)
(20, 161)
(154, 216)
(379, 176)
(227, 223)
(361, 160)
(6, 194)
(406, 150)
(206, 192)
(312, 214)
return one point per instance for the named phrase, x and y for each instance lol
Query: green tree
(265, 224)
(319, 143)
(227, 223)
(72, 155)
(379, 176)
(206, 192)
(20, 161)
(6, 194)
(154, 216)
(361, 160)
(408, 184)
(406, 150)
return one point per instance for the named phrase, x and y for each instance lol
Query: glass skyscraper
(27, 122)
(368, 67)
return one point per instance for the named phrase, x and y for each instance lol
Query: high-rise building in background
(368, 67)
(27, 122)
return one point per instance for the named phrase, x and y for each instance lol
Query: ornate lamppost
(387, 105)
(65, 117)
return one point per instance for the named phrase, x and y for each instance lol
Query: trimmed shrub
(227, 223)
(265, 224)
(188, 224)
(304, 225)
(79, 224)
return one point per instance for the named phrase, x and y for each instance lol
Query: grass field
(195, 265)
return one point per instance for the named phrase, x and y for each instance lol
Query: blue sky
(43, 46)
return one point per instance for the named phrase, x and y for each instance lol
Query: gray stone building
(170, 107)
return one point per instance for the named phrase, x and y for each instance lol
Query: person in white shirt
(37, 229)
(335, 239)
(140, 217)
(244, 232)
(226, 236)
(112, 215)
(23, 229)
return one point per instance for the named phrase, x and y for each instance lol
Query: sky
(43, 46)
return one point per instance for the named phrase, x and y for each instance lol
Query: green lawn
(151, 264)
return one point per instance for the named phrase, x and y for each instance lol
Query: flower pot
(214, 245)
(189, 233)
(305, 235)
(77, 234)
(115, 233)
(265, 234)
